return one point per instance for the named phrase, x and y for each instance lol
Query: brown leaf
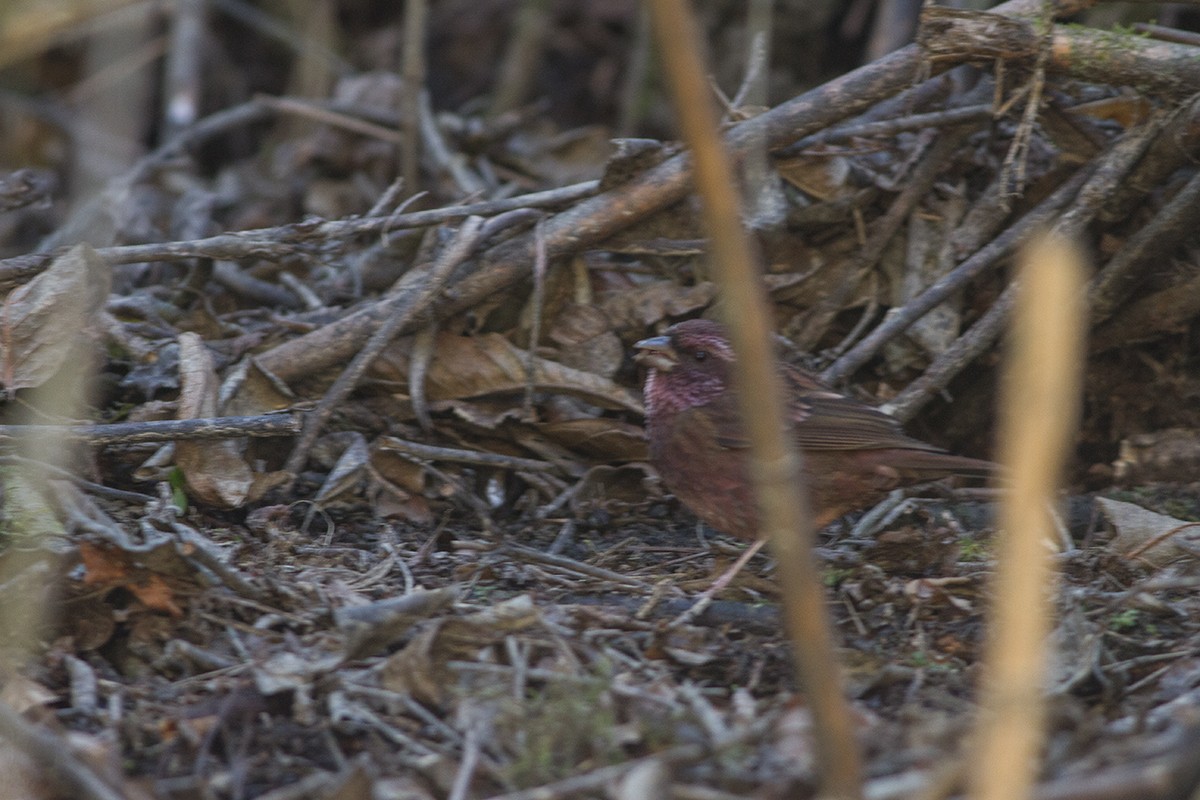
(472, 366)
(609, 439)
(609, 487)
(215, 471)
(420, 668)
(41, 321)
(114, 568)
(1157, 539)
(257, 392)
(347, 473)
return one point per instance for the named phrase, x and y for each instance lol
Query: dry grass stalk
(1039, 416)
(775, 466)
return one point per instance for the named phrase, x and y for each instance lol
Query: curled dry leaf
(472, 366)
(610, 487)
(255, 391)
(399, 486)
(286, 671)
(825, 177)
(215, 471)
(41, 321)
(420, 668)
(347, 472)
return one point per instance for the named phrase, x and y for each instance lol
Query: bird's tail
(931, 464)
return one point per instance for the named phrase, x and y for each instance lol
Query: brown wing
(822, 419)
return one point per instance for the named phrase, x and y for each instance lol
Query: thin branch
(416, 288)
(413, 70)
(168, 430)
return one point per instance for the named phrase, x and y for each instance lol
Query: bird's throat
(671, 392)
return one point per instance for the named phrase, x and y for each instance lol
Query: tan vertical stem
(1039, 415)
(775, 465)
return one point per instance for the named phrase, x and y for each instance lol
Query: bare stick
(434, 453)
(1109, 173)
(1151, 243)
(167, 430)
(417, 288)
(901, 319)
(1090, 55)
(285, 240)
(890, 127)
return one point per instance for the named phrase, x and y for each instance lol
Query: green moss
(973, 550)
(836, 575)
(1126, 620)
(561, 729)
(1181, 508)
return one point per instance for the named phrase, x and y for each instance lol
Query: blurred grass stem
(775, 466)
(1039, 410)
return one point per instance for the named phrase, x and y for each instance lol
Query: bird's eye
(700, 355)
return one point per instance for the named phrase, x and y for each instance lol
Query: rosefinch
(853, 453)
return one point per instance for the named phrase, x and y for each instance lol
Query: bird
(853, 453)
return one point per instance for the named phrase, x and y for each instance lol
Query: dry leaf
(420, 668)
(42, 321)
(256, 391)
(611, 487)
(398, 486)
(1167, 455)
(823, 177)
(215, 471)
(472, 366)
(113, 568)
(372, 627)
(602, 438)
(640, 307)
(347, 472)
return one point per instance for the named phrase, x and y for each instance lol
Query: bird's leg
(705, 599)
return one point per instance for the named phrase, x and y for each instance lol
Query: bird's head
(689, 365)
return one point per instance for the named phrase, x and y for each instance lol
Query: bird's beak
(656, 352)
